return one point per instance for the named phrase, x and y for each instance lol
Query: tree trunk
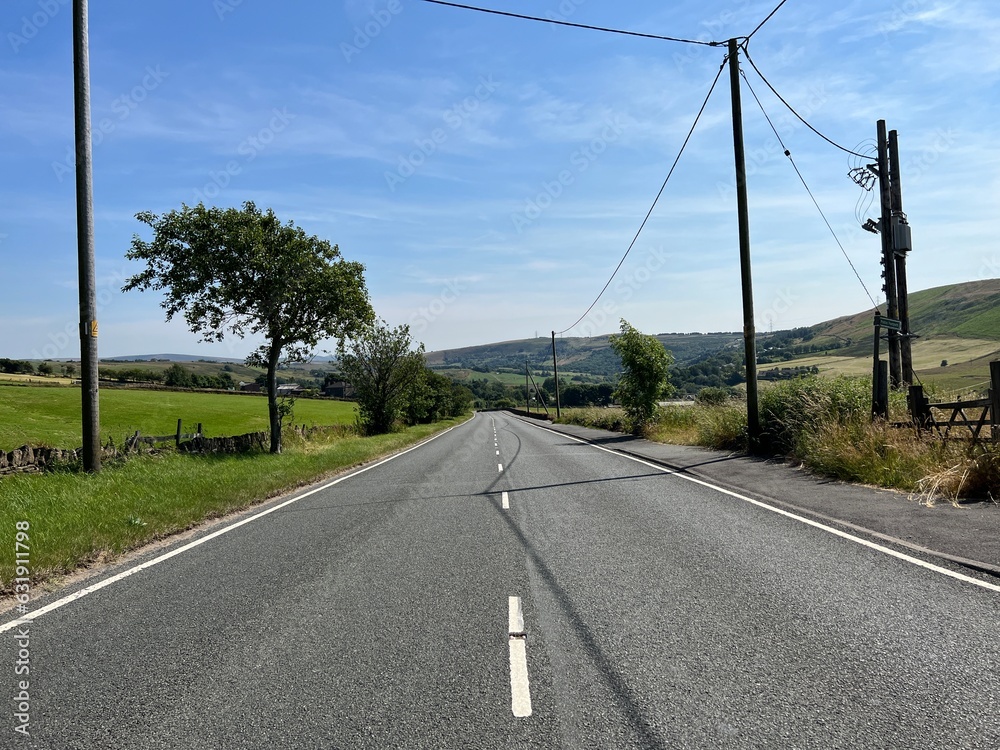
(274, 417)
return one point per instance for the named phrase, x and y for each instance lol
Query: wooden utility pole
(876, 357)
(900, 231)
(749, 329)
(527, 402)
(888, 255)
(85, 241)
(555, 373)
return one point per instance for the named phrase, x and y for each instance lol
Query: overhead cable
(815, 202)
(746, 54)
(766, 19)
(655, 200)
(574, 25)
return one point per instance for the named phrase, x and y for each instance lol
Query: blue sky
(490, 172)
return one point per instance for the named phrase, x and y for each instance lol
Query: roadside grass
(824, 424)
(78, 519)
(52, 416)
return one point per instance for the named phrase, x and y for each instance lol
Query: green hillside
(969, 310)
(958, 324)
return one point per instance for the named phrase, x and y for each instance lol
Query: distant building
(339, 389)
(251, 387)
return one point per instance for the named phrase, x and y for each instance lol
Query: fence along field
(51, 416)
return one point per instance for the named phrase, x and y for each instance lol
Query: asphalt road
(376, 613)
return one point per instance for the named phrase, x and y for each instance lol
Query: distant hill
(957, 323)
(970, 310)
(584, 355)
(171, 358)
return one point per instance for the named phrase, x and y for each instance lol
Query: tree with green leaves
(242, 272)
(645, 378)
(383, 367)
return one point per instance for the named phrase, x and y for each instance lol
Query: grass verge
(824, 424)
(78, 519)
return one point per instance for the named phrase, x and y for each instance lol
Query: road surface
(504, 586)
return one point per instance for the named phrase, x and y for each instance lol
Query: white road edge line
(520, 691)
(34, 615)
(802, 519)
(505, 500)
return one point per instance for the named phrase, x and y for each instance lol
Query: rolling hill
(958, 324)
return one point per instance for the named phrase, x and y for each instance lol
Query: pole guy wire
(655, 200)
(791, 109)
(806, 186)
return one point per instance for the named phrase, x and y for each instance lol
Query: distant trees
(16, 366)
(241, 271)
(645, 374)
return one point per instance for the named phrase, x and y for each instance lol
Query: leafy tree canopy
(645, 376)
(242, 272)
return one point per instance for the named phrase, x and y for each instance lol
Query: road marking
(498, 453)
(781, 512)
(198, 542)
(520, 691)
(500, 467)
(505, 499)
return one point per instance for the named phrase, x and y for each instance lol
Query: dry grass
(825, 425)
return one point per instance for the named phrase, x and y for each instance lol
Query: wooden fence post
(920, 410)
(178, 438)
(882, 404)
(995, 400)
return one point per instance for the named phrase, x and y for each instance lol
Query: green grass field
(52, 416)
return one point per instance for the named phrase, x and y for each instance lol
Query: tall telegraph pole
(85, 240)
(900, 247)
(888, 254)
(749, 330)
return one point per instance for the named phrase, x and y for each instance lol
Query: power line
(792, 109)
(765, 21)
(574, 25)
(803, 181)
(655, 200)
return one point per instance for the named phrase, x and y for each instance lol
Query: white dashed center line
(520, 692)
(505, 499)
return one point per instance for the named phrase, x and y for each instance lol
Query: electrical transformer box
(901, 235)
